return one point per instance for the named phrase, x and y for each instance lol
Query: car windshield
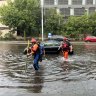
(57, 38)
(51, 43)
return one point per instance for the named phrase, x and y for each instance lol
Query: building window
(62, 2)
(79, 11)
(89, 2)
(77, 2)
(91, 10)
(65, 11)
(49, 2)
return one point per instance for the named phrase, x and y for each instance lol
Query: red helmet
(33, 40)
(65, 38)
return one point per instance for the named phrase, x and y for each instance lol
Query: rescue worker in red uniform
(35, 51)
(66, 47)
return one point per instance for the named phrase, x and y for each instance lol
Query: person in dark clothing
(42, 51)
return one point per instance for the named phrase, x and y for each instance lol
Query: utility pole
(42, 24)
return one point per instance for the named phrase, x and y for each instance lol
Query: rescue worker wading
(35, 51)
(66, 47)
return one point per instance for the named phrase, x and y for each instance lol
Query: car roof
(92, 36)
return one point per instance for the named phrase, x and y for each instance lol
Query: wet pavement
(76, 77)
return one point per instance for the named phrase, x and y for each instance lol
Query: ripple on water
(80, 67)
(54, 69)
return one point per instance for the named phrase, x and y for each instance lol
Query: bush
(7, 36)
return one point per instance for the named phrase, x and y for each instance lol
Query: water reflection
(37, 81)
(65, 66)
(54, 73)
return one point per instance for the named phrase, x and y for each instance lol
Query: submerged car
(90, 39)
(51, 46)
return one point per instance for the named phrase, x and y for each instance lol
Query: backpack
(65, 46)
(40, 49)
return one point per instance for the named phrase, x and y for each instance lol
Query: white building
(71, 7)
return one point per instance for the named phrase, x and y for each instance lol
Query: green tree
(92, 23)
(78, 25)
(70, 26)
(54, 22)
(22, 14)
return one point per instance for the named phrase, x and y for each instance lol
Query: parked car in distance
(51, 46)
(90, 39)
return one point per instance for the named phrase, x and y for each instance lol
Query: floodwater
(76, 77)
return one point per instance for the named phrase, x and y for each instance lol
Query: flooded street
(76, 77)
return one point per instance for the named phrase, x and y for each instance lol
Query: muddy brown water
(76, 77)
